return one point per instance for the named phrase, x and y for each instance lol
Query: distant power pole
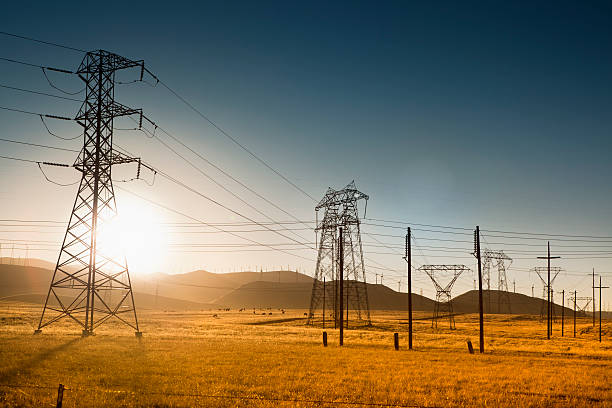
(408, 259)
(549, 309)
(341, 274)
(532, 290)
(324, 302)
(600, 288)
(480, 309)
(575, 295)
(514, 285)
(593, 297)
(562, 311)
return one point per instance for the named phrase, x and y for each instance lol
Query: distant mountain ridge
(276, 289)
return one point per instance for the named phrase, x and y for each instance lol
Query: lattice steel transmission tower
(541, 271)
(91, 283)
(340, 211)
(443, 293)
(585, 300)
(495, 259)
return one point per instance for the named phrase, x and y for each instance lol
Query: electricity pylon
(341, 211)
(91, 283)
(495, 259)
(443, 293)
(540, 271)
(585, 300)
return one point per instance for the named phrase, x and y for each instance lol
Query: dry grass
(184, 356)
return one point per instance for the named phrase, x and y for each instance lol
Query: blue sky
(489, 113)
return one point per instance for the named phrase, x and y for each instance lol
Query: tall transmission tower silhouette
(91, 283)
(443, 306)
(341, 212)
(495, 259)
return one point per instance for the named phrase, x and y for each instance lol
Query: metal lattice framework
(340, 211)
(496, 259)
(91, 283)
(584, 300)
(541, 271)
(443, 306)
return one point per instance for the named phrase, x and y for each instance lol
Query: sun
(134, 233)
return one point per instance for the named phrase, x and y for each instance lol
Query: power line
(36, 113)
(204, 222)
(224, 172)
(32, 221)
(212, 200)
(18, 159)
(494, 231)
(226, 134)
(40, 93)
(220, 185)
(42, 41)
(39, 145)
(14, 61)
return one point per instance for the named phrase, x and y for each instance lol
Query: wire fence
(62, 388)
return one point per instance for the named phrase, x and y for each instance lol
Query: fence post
(60, 396)
(396, 340)
(324, 339)
(470, 347)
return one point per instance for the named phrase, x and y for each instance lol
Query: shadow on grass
(27, 365)
(265, 322)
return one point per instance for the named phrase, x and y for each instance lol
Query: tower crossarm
(540, 270)
(456, 270)
(347, 195)
(108, 61)
(498, 255)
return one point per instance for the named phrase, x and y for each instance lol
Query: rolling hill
(277, 289)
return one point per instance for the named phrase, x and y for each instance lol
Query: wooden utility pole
(347, 302)
(549, 308)
(600, 288)
(341, 273)
(593, 297)
(562, 311)
(324, 302)
(480, 309)
(575, 294)
(408, 259)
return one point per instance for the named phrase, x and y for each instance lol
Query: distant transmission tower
(495, 259)
(90, 284)
(541, 272)
(443, 306)
(586, 301)
(341, 211)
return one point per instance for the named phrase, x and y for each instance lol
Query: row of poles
(408, 258)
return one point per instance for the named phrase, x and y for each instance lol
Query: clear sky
(456, 114)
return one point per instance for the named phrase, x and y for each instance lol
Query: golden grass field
(238, 359)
